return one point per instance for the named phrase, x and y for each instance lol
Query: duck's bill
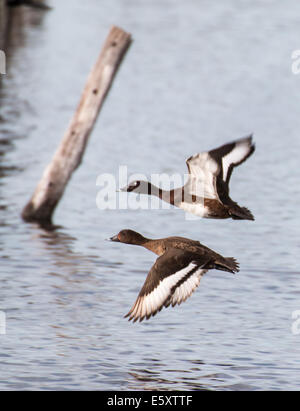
(114, 238)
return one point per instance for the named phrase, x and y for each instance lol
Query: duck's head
(138, 186)
(128, 237)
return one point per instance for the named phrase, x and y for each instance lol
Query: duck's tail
(241, 213)
(227, 264)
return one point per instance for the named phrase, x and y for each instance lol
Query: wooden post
(3, 23)
(70, 151)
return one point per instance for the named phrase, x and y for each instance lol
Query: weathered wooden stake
(3, 23)
(70, 151)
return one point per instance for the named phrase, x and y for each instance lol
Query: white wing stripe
(203, 169)
(240, 151)
(148, 304)
(186, 289)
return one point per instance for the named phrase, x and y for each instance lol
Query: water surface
(197, 75)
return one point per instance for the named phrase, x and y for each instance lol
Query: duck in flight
(175, 274)
(206, 192)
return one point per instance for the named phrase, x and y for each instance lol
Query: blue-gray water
(198, 74)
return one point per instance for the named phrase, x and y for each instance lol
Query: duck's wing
(232, 155)
(211, 171)
(203, 171)
(171, 280)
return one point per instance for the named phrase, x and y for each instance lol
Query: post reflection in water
(65, 291)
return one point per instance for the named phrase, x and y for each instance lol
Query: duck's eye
(133, 185)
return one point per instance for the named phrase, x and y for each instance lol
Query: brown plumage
(175, 274)
(206, 192)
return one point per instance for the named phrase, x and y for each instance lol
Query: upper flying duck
(206, 192)
(176, 272)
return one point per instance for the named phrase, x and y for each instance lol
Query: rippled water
(198, 74)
